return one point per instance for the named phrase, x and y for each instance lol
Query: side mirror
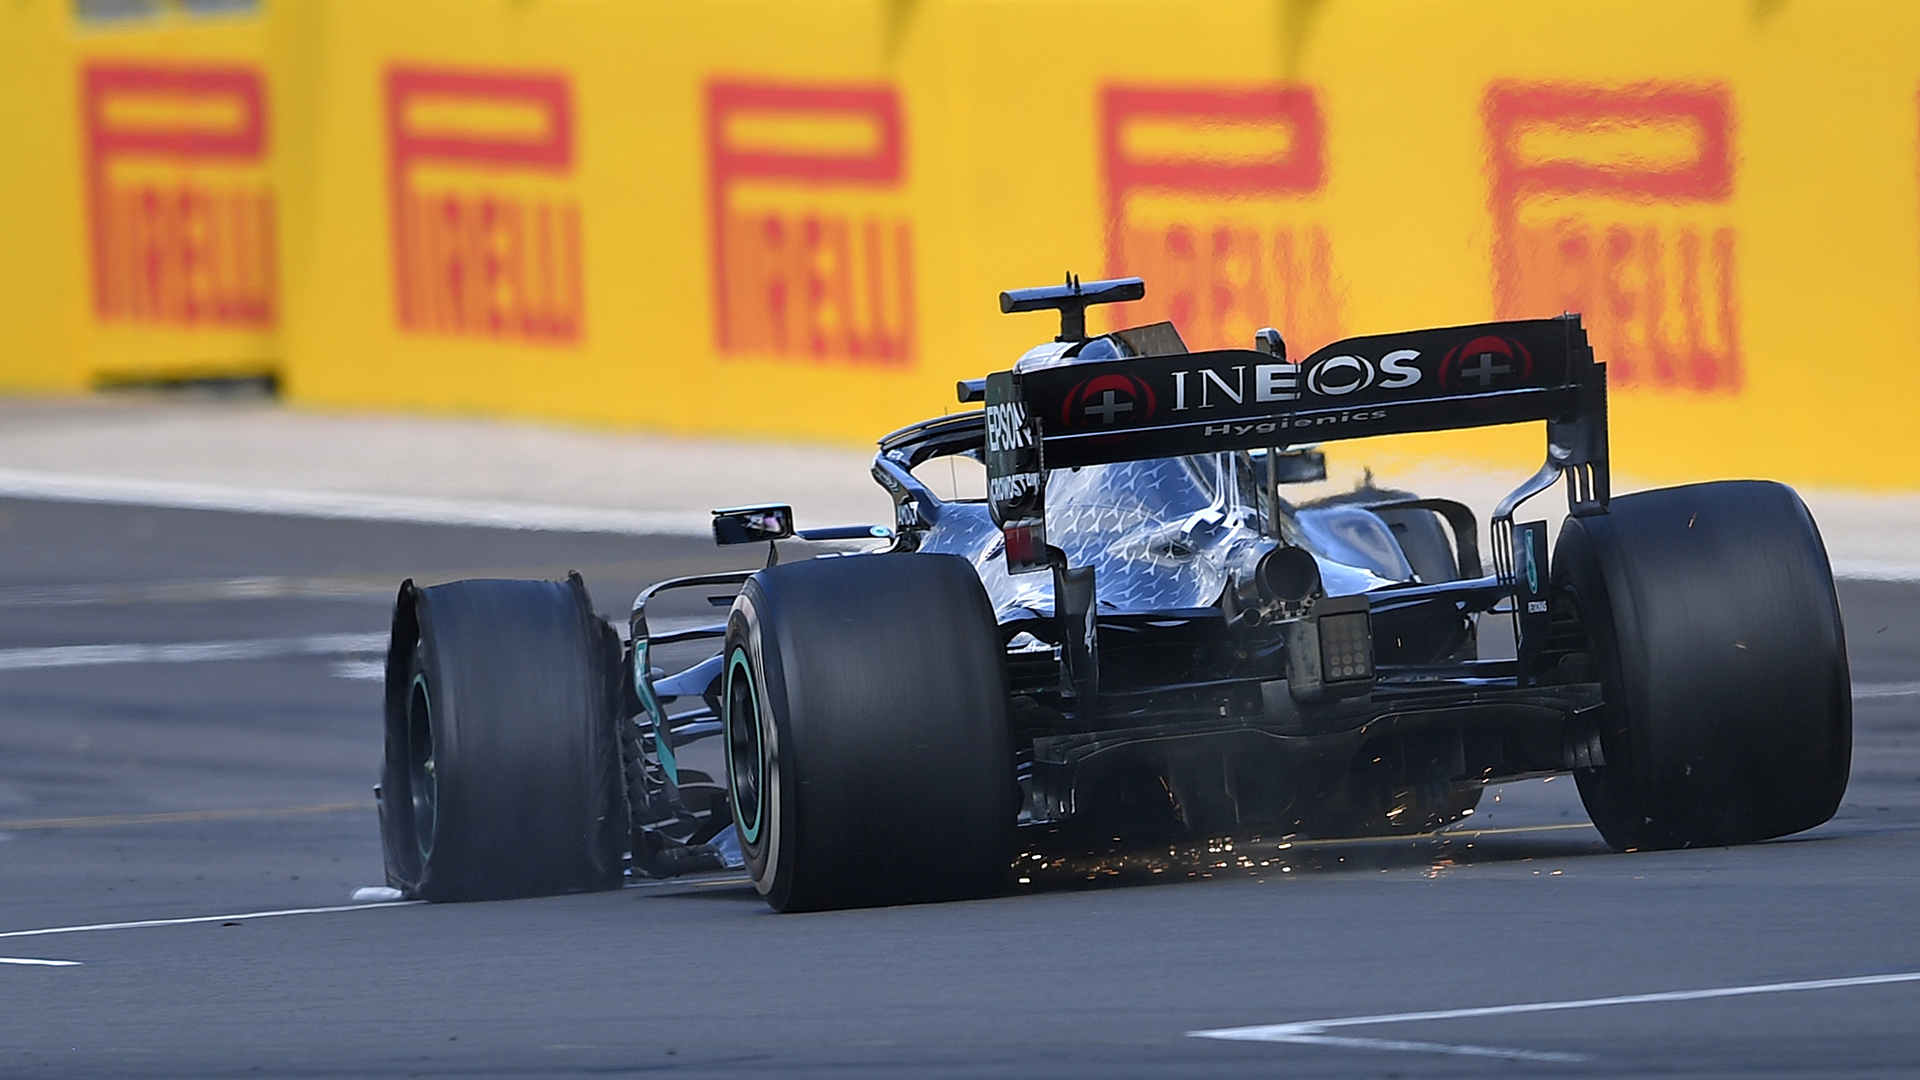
(1300, 466)
(1304, 466)
(752, 524)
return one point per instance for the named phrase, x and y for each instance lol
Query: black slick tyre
(1710, 614)
(869, 757)
(503, 771)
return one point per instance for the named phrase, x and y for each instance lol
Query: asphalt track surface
(189, 728)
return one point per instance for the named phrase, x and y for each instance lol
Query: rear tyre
(1711, 616)
(869, 756)
(503, 772)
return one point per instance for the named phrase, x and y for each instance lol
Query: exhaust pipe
(1287, 575)
(1273, 583)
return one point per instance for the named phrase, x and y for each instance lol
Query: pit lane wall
(789, 218)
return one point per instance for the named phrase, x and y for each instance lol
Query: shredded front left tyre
(503, 773)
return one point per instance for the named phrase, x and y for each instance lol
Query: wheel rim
(422, 783)
(746, 762)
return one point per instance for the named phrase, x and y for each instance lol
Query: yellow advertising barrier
(154, 243)
(38, 266)
(790, 218)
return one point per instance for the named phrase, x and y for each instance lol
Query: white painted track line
(1868, 570)
(185, 652)
(144, 923)
(405, 509)
(1885, 690)
(1313, 1032)
(27, 961)
(177, 592)
(1508, 1053)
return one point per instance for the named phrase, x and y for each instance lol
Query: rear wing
(1100, 412)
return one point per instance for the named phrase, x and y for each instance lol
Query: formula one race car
(1136, 632)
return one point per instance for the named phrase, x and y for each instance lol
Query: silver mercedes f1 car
(1136, 633)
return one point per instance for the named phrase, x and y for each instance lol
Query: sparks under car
(1137, 631)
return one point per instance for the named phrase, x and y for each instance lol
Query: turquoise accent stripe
(650, 701)
(749, 831)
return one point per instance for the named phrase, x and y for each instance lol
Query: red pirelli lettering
(475, 253)
(1581, 179)
(181, 216)
(1215, 164)
(796, 273)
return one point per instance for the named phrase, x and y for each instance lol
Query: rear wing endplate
(1131, 409)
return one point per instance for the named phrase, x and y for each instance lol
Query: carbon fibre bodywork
(1160, 684)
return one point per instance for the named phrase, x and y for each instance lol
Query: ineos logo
(1338, 376)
